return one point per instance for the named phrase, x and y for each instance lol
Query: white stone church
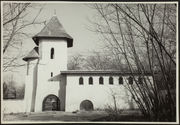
(50, 86)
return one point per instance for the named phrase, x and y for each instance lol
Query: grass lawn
(68, 116)
(56, 116)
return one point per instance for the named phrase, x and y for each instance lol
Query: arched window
(140, 80)
(111, 80)
(86, 105)
(90, 80)
(130, 79)
(52, 53)
(101, 80)
(81, 81)
(51, 74)
(120, 80)
(51, 103)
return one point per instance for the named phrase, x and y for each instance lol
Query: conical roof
(33, 54)
(53, 29)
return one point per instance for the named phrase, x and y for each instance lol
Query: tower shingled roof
(53, 29)
(33, 54)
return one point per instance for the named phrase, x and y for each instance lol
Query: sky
(74, 18)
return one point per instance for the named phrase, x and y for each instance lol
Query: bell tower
(52, 43)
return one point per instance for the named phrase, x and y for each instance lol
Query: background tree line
(13, 91)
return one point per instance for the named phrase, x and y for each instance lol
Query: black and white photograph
(89, 62)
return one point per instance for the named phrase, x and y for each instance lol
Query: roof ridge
(53, 29)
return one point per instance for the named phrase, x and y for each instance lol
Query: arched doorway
(51, 103)
(86, 105)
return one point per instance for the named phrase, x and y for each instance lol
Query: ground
(56, 116)
(82, 116)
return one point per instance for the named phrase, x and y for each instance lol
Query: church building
(50, 86)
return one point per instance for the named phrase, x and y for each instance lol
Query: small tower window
(111, 80)
(101, 80)
(51, 74)
(130, 79)
(90, 80)
(52, 53)
(81, 81)
(120, 80)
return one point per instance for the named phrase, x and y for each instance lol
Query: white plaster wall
(47, 65)
(29, 81)
(60, 54)
(100, 95)
(43, 90)
(12, 106)
(28, 93)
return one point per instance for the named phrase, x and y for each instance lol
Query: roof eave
(69, 40)
(28, 58)
(108, 72)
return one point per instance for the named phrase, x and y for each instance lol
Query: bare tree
(104, 61)
(15, 25)
(75, 62)
(96, 60)
(5, 90)
(145, 36)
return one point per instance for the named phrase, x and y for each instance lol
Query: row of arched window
(111, 80)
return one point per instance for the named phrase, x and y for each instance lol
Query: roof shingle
(53, 29)
(33, 54)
